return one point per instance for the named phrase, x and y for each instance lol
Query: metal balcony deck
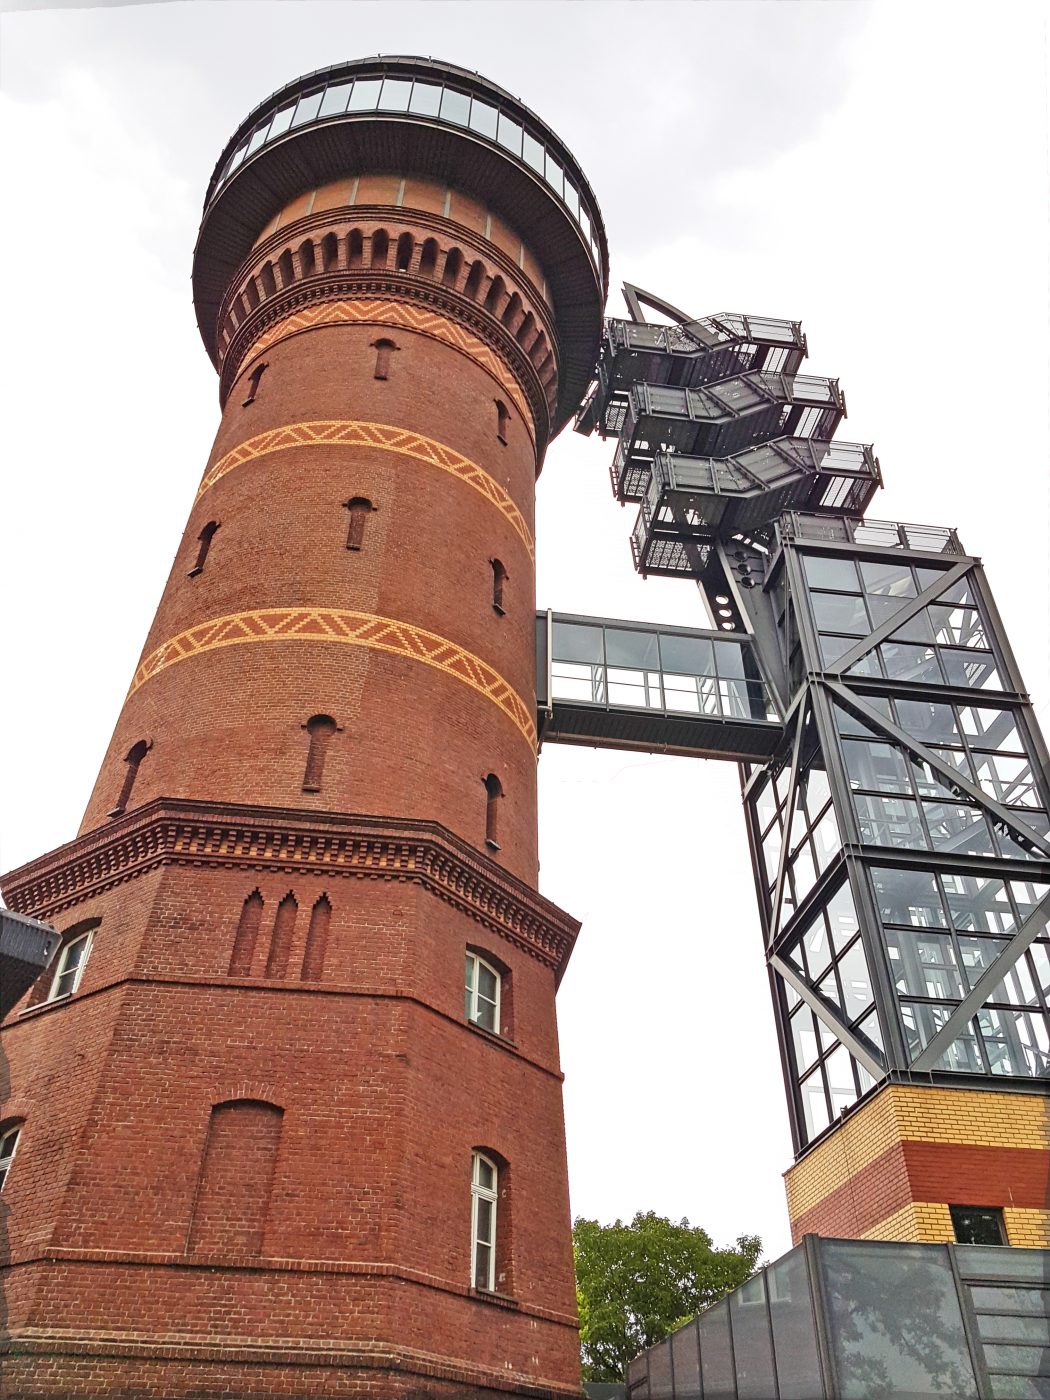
(720, 420)
(634, 685)
(700, 499)
(689, 355)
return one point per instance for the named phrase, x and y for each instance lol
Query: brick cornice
(178, 831)
(394, 286)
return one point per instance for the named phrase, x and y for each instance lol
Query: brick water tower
(285, 1116)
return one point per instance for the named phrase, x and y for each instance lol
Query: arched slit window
(285, 268)
(134, 758)
(499, 578)
(453, 264)
(355, 244)
(384, 349)
(403, 257)
(246, 936)
(502, 420)
(360, 509)
(380, 247)
(269, 282)
(329, 251)
(474, 277)
(484, 1196)
(281, 939)
(251, 291)
(494, 295)
(493, 794)
(253, 383)
(526, 331)
(317, 940)
(320, 729)
(307, 259)
(204, 540)
(429, 257)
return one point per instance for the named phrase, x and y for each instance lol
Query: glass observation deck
(704, 498)
(689, 355)
(449, 97)
(633, 685)
(720, 420)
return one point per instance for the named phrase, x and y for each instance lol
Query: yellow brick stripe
(924, 1222)
(350, 629)
(903, 1113)
(348, 432)
(414, 318)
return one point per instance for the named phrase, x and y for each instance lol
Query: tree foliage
(636, 1283)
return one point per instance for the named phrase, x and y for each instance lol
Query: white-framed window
(71, 963)
(482, 993)
(484, 1182)
(8, 1146)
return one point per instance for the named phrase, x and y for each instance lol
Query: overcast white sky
(875, 170)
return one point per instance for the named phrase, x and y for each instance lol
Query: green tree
(636, 1283)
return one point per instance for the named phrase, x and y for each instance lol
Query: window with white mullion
(70, 968)
(482, 993)
(8, 1147)
(483, 1190)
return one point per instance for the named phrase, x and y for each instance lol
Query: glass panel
(794, 1330)
(831, 648)
(924, 964)
(483, 118)
(824, 572)
(975, 669)
(455, 107)
(929, 723)
(958, 828)
(990, 729)
(878, 766)
(395, 95)
(894, 580)
(804, 1038)
(827, 842)
(533, 153)
(904, 662)
(335, 100)
(856, 981)
(365, 96)
(508, 134)
(889, 821)
(281, 122)
(841, 1085)
(840, 612)
(661, 1386)
(554, 174)
(958, 626)
(871, 1029)
(635, 649)
(1034, 1301)
(917, 629)
(908, 897)
(895, 1323)
(1006, 778)
(572, 641)
(978, 903)
(306, 110)
(572, 199)
(814, 1106)
(685, 1352)
(716, 1356)
(425, 100)
(752, 1346)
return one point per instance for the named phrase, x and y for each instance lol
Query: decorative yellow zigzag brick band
(350, 433)
(395, 313)
(352, 629)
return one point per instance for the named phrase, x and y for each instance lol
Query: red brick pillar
(249, 1132)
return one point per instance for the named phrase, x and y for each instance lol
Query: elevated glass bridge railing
(633, 685)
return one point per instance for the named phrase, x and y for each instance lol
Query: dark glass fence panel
(716, 1353)
(794, 1328)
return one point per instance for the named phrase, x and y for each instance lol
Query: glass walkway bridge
(634, 685)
